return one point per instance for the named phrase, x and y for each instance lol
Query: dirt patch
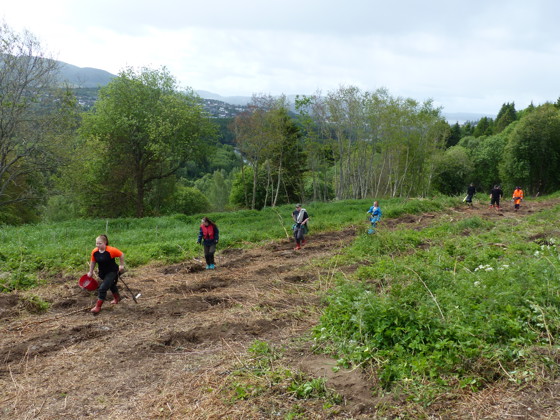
(51, 342)
(188, 267)
(198, 287)
(352, 384)
(298, 278)
(8, 304)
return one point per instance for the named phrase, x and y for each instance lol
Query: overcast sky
(468, 55)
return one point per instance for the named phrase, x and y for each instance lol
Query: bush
(189, 200)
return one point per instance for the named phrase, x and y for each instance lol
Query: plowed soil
(168, 356)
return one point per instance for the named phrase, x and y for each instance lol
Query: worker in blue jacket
(374, 214)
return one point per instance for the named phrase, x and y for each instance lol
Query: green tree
(505, 117)
(30, 110)
(269, 139)
(483, 127)
(217, 188)
(467, 129)
(532, 155)
(318, 150)
(242, 188)
(145, 130)
(485, 154)
(453, 170)
(454, 135)
(254, 134)
(189, 200)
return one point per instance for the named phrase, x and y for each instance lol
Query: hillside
(83, 77)
(230, 343)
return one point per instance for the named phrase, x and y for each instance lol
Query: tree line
(148, 147)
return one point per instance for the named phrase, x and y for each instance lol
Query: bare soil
(173, 354)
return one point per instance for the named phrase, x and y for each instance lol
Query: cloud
(467, 56)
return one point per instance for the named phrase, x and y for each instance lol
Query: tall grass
(458, 304)
(32, 251)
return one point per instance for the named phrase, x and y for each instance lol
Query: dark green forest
(141, 146)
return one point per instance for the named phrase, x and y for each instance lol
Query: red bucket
(88, 283)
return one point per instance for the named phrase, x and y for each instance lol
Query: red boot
(117, 299)
(95, 310)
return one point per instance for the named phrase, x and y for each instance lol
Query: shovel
(127, 288)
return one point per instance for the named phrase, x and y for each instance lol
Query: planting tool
(128, 288)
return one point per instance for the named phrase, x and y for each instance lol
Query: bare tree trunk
(255, 179)
(278, 184)
(268, 181)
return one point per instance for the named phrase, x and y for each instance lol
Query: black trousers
(109, 283)
(299, 234)
(209, 251)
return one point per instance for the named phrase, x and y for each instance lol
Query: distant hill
(233, 100)
(83, 77)
(218, 105)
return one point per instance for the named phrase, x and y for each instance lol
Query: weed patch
(462, 313)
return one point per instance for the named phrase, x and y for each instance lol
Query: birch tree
(27, 107)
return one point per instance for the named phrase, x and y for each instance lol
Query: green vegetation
(143, 146)
(29, 251)
(458, 304)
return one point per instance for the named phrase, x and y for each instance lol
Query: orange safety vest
(517, 196)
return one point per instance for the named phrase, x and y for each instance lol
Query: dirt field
(169, 355)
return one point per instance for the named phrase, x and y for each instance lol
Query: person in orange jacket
(517, 197)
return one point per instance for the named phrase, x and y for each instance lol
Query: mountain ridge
(89, 77)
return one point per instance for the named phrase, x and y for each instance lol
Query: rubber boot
(117, 299)
(297, 247)
(95, 310)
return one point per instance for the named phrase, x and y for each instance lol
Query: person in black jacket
(495, 196)
(471, 190)
(208, 236)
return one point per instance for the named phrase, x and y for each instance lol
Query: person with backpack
(208, 235)
(104, 256)
(374, 213)
(517, 198)
(495, 196)
(299, 227)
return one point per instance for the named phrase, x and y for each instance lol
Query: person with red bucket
(104, 256)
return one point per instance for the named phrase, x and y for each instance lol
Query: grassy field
(442, 305)
(460, 303)
(28, 253)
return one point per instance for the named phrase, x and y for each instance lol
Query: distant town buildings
(86, 97)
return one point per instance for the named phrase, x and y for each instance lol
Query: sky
(467, 56)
